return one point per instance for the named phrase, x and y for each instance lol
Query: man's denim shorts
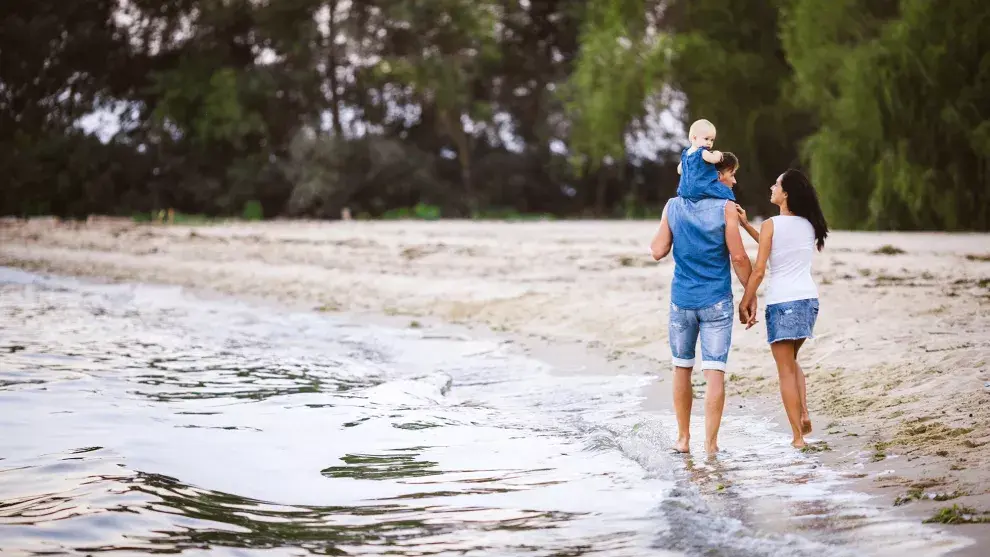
(791, 320)
(713, 324)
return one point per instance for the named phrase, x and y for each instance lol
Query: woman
(787, 243)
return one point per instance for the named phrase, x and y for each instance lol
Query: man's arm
(678, 169)
(663, 240)
(711, 157)
(733, 240)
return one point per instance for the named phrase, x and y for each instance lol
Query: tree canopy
(490, 107)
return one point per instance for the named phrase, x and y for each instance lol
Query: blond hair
(699, 127)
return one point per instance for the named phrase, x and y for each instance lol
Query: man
(705, 237)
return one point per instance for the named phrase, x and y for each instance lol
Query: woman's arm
(748, 304)
(744, 222)
(663, 239)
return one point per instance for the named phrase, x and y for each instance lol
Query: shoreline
(592, 286)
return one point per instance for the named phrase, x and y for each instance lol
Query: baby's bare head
(702, 133)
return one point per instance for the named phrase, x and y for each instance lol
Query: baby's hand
(742, 213)
(712, 157)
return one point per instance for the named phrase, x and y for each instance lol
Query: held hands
(747, 312)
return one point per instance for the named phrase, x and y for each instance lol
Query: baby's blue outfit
(699, 179)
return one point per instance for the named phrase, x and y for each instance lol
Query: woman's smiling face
(777, 195)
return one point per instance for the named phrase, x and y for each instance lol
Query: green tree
(730, 67)
(309, 106)
(446, 49)
(902, 90)
(623, 61)
(58, 62)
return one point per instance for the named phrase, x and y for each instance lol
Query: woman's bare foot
(805, 424)
(683, 445)
(711, 447)
(798, 444)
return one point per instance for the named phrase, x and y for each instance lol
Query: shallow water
(144, 419)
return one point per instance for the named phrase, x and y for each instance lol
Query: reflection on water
(142, 419)
(382, 467)
(190, 517)
(139, 418)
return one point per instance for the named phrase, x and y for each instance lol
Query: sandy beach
(898, 374)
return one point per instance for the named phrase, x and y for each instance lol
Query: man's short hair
(729, 162)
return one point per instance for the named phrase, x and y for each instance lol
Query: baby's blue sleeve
(703, 182)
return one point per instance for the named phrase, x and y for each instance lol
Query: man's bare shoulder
(731, 215)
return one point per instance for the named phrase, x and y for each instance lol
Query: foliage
(420, 211)
(902, 89)
(490, 108)
(731, 69)
(253, 210)
(622, 62)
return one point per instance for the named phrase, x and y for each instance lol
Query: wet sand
(896, 376)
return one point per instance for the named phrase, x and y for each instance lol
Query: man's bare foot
(805, 425)
(683, 445)
(798, 444)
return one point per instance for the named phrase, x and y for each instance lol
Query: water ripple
(141, 419)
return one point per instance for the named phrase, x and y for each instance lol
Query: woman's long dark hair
(802, 200)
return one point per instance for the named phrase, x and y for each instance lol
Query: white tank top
(790, 260)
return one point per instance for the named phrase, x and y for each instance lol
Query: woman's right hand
(742, 213)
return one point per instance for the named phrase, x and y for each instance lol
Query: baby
(699, 177)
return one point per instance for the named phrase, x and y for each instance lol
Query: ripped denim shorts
(791, 320)
(712, 324)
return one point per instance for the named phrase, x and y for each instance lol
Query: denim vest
(702, 272)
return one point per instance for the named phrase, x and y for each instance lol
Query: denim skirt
(791, 320)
